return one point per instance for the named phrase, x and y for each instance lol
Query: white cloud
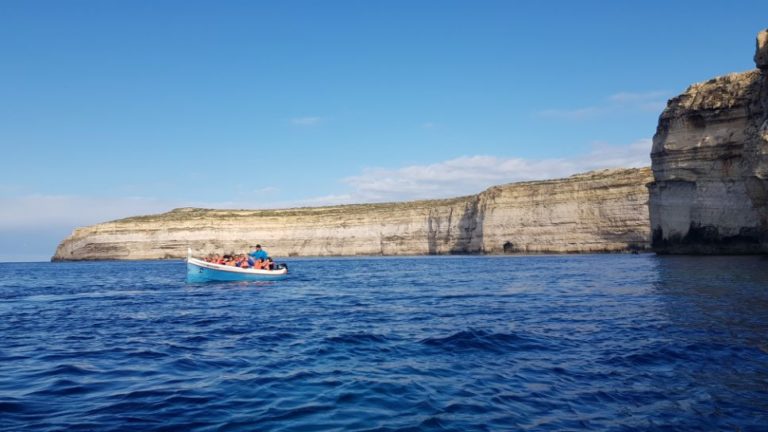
(33, 211)
(633, 97)
(49, 217)
(653, 101)
(650, 101)
(571, 114)
(65, 210)
(653, 106)
(268, 190)
(472, 174)
(319, 201)
(306, 121)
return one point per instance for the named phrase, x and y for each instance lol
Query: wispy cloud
(650, 101)
(31, 226)
(472, 174)
(571, 114)
(635, 97)
(306, 121)
(268, 190)
(37, 210)
(332, 199)
(454, 177)
(54, 215)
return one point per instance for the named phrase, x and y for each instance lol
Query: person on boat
(258, 253)
(269, 264)
(259, 264)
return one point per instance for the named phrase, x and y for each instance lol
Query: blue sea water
(582, 342)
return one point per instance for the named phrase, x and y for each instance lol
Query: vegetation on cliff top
(191, 213)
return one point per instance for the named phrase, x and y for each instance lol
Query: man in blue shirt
(258, 252)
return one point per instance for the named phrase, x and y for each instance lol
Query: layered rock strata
(601, 211)
(710, 165)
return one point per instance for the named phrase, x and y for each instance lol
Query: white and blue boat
(202, 271)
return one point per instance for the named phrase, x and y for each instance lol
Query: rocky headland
(707, 193)
(710, 166)
(600, 211)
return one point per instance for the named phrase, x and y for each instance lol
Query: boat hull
(202, 271)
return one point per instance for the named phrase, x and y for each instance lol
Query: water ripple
(610, 342)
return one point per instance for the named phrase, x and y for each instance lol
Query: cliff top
(187, 213)
(723, 92)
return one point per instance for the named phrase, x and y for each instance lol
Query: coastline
(595, 212)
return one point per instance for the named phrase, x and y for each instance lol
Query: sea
(454, 343)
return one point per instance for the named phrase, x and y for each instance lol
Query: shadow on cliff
(465, 236)
(470, 238)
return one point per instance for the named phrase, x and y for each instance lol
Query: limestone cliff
(600, 211)
(710, 165)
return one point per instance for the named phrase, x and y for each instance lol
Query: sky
(111, 109)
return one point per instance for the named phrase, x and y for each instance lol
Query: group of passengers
(256, 259)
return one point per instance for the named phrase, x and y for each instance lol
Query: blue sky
(110, 109)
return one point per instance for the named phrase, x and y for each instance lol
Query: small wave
(660, 355)
(64, 370)
(197, 339)
(275, 337)
(83, 295)
(12, 407)
(146, 354)
(66, 387)
(293, 413)
(468, 340)
(356, 339)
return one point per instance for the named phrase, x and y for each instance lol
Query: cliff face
(600, 211)
(710, 165)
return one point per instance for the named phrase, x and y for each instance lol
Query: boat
(203, 271)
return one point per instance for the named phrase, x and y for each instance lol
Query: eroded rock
(601, 211)
(761, 52)
(710, 165)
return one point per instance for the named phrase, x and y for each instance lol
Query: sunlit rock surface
(761, 52)
(600, 211)
(710, 164)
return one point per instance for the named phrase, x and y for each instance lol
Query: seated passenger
(269, 264)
